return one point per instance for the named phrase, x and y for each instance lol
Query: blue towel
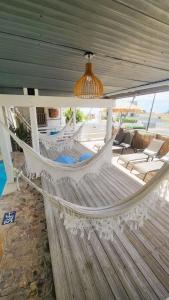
(66, 159)
(85, 156)
(54, 132)
(3, 177)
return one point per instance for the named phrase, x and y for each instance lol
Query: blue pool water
(3, 177)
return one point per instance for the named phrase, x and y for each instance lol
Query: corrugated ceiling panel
(42, 42)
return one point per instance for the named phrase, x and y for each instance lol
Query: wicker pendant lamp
(88, 86)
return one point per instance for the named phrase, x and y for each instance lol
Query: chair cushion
(128, 138)
(85, 156)
(150, 152)
(66, 159)
(146, 167)
(116, 142)
(125, 145)
(120, 136)
(133, 156)
(165, 158)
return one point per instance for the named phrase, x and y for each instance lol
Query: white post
(74, 117)
(62, 116)
(5, 147)
(36, 92)
(34, 123)
(109, 124)
(34, 129)
(6, 121)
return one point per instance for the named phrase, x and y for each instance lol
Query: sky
(161, 104)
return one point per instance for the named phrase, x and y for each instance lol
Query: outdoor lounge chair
(150, 152)
(120, 137)
(150, 166)
(126, 144)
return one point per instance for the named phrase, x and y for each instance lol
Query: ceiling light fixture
(88, 86)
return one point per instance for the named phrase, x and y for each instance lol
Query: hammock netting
(60, 142)
(132, 210)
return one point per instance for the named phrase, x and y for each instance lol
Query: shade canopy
(130, 109)
(42, 43)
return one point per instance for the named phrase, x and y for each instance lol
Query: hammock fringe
(79, 222)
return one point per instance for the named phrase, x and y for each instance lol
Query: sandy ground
(25, 264)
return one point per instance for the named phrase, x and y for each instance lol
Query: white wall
(53, 122)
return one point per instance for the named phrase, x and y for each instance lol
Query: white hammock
(111, 219)
(60, 143)
(62, 132)
(133, 210)
(38, 165)
(65, 128)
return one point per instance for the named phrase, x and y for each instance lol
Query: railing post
(74, 117)
(109, 124)
(34, 123)
(34, 129)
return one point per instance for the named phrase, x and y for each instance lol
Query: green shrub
(135, 127)
(21, 132)
(138, 127)
(80, 116)
(127, 120)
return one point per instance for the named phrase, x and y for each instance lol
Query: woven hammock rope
(61, 142)
(106, 220)
(88, 86)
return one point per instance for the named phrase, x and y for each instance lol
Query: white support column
(5, 147)
(62, 116)
(74, 117)
(109, 124)
(36, 92)
(34, 123)
(34, 129)
(6, 120)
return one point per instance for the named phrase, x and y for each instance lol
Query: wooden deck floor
(134, 266)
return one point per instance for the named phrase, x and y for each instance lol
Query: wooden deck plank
(122, 272)
(159, 242)
(60, 280)
(88, 268)
(84, 269)
(141, 262)
(133, 266)
(158, 232)
(76, 291)
(145, 289)
(101, 282)
(149, 260)
(153, 250)
(106, 273)
(105, 264)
